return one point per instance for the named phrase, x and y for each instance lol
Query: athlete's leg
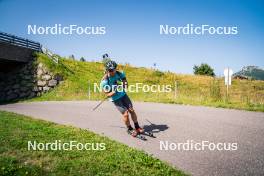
(133, 114)
(126, 119)
(131, 131)
(131, 110)
(124, 111)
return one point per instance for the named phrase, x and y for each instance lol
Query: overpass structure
(15, 51)
(20, 76)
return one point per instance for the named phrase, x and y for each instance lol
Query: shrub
(158, 73)
(203, 69)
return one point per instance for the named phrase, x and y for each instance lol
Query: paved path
(172, 123)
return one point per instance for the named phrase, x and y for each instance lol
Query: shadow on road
(154, 128)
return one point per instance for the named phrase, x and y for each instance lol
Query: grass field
(187, 89)
(117, 159)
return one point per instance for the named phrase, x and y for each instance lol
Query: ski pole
(149, 122)
(101, 102)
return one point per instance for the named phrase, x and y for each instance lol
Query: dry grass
(190, 89)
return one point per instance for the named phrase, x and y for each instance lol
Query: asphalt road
(175, 124)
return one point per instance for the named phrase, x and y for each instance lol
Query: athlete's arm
(110, 94)
(103, 84)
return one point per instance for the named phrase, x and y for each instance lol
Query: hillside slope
(79, 77)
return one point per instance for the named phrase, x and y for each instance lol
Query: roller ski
(146, 133)
(135, 134)
(150, 134)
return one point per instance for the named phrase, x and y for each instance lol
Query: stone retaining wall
(30, 80)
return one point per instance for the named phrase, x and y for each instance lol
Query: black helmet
(110, 65)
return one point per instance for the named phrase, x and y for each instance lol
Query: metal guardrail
(52, 56)
(55, 58)
(18, 41)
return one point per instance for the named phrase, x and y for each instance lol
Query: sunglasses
(111, 70)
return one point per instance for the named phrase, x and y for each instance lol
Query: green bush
(203, 69)
(158, 73)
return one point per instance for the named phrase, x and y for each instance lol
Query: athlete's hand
(110, 94)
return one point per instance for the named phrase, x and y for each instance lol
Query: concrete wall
(15, 53)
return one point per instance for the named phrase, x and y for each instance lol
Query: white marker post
(228, 78)
(89, 91)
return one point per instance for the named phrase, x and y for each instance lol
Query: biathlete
(109, 84)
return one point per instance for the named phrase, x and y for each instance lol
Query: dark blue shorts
(123, 104)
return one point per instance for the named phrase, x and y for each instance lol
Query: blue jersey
(114, 81)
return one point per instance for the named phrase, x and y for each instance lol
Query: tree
(82, 59)
(203, 69)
